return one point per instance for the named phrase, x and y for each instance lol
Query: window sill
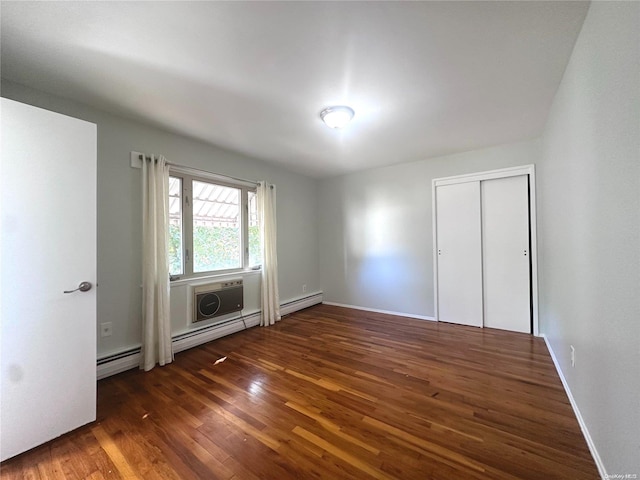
(213, 276)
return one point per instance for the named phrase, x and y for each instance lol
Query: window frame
(187, 176)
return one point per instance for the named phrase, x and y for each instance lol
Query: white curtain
(156, 324)
(270, 299)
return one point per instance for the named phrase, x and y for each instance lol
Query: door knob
(83, 287)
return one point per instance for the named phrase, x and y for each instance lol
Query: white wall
(589, 221)
(119, 215)
(375, 229)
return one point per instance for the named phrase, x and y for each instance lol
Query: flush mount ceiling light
(338, 116)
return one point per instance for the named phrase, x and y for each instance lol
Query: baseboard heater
(130, 358)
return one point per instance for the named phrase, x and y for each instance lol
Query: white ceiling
(425, 78)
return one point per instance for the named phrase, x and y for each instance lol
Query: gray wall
(119, 214)
(375, 227)
(589, 220)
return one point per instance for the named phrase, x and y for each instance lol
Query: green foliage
(216, 248)
(175, 250)
(255, 254)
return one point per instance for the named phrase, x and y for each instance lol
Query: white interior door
(506, 256)
(48, 356)
(459, 253)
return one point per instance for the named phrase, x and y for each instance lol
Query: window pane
(175, 226)
(255, 248)
(216, 227)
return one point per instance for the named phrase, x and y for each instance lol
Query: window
(213, 225)
(175, 226)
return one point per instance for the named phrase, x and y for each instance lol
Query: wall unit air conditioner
(217, 299)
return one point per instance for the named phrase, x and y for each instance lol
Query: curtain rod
(204, 172)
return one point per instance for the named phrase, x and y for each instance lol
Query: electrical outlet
(105, 329)
(573, 356)
(304, 288)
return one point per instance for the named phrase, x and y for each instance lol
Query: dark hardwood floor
(331, 393)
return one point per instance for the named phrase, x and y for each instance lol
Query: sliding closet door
(506, 256)
(459, 255)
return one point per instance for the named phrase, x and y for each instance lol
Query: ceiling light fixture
(338, 116)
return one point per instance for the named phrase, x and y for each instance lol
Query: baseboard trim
(130, 358)
(576, 411)
(300, 303)
(388, 312)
